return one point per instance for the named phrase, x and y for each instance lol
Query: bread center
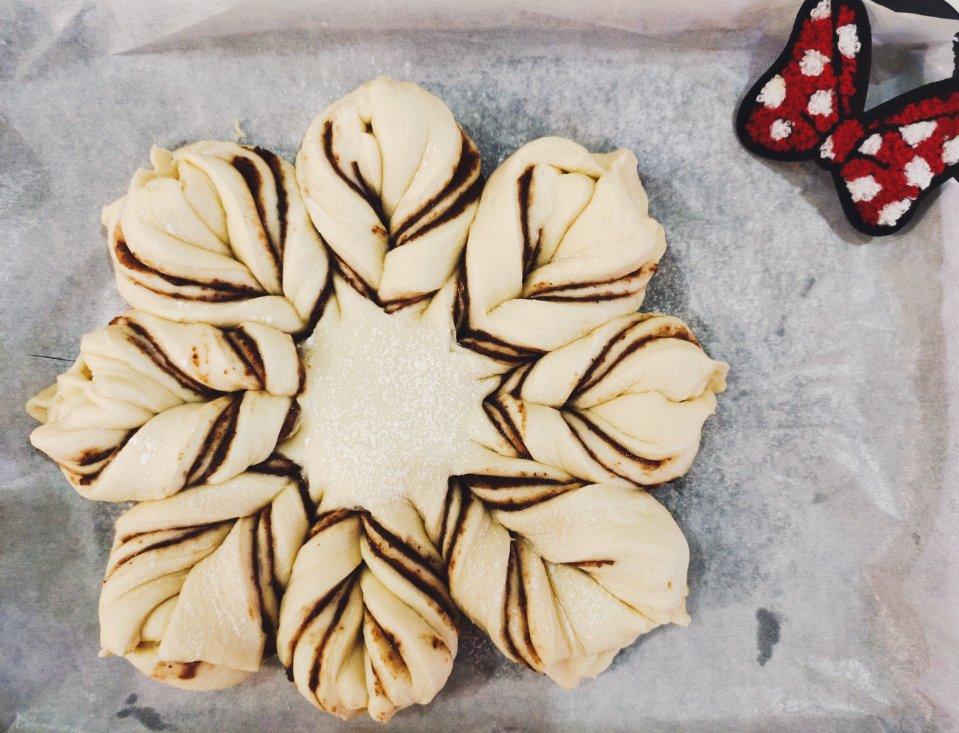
(389, 406)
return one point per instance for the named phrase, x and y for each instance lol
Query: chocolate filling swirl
(460, 191)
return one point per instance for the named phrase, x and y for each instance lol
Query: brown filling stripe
(216, 445)
(422, 584)
(279, 465)
(257, 572)
(548, 489)
(531, 658)
(89, 478)
(467, 164)
(251, 176)
(289, 422)
(457, 528)
(601, 366)
(282, 198)
(186, 533)
(91, 455)
(530, 250)
(499, 415)
(325, 292)
(344, 588)
(144, 341)
(247, 351)
(358, 186)
(553, 293)
(645, 463)
(221, 291)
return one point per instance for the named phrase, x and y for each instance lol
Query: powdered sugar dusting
(388, 404)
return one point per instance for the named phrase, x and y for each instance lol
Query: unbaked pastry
(562, 243)
(367, 622)
(626, 401)
(391, 182)
(561, 573)
(193, 584)
(507, 323)
(218, 233)
(151, 406)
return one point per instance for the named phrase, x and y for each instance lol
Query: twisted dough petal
(192, 588)
(626, 401)
(391, 182)
(562, 242)
(367, 621)
(218, 233)
(561, 575)
(152, 406)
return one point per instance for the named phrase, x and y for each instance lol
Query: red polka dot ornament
(810, 105)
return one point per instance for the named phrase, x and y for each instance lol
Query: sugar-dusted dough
(367, 623)
(562, 243)
(391, 182)
(364, 397)
(628, 401)
(152, 406)
(561, 573)
(217, 233)
(390, 404)
(193, 584)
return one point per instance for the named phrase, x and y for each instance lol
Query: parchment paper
(822, 510)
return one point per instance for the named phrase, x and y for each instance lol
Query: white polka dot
(825, 150)
(950, 151)
(773, 92)
(892, 212)
(780, 129)
(864, 188)
(848, 40)
(917, 132)
(871, 145)
(812, 63)
(822, 10)
(918, 172)
(820, 103)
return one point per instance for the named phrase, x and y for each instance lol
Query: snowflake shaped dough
(524, 510)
